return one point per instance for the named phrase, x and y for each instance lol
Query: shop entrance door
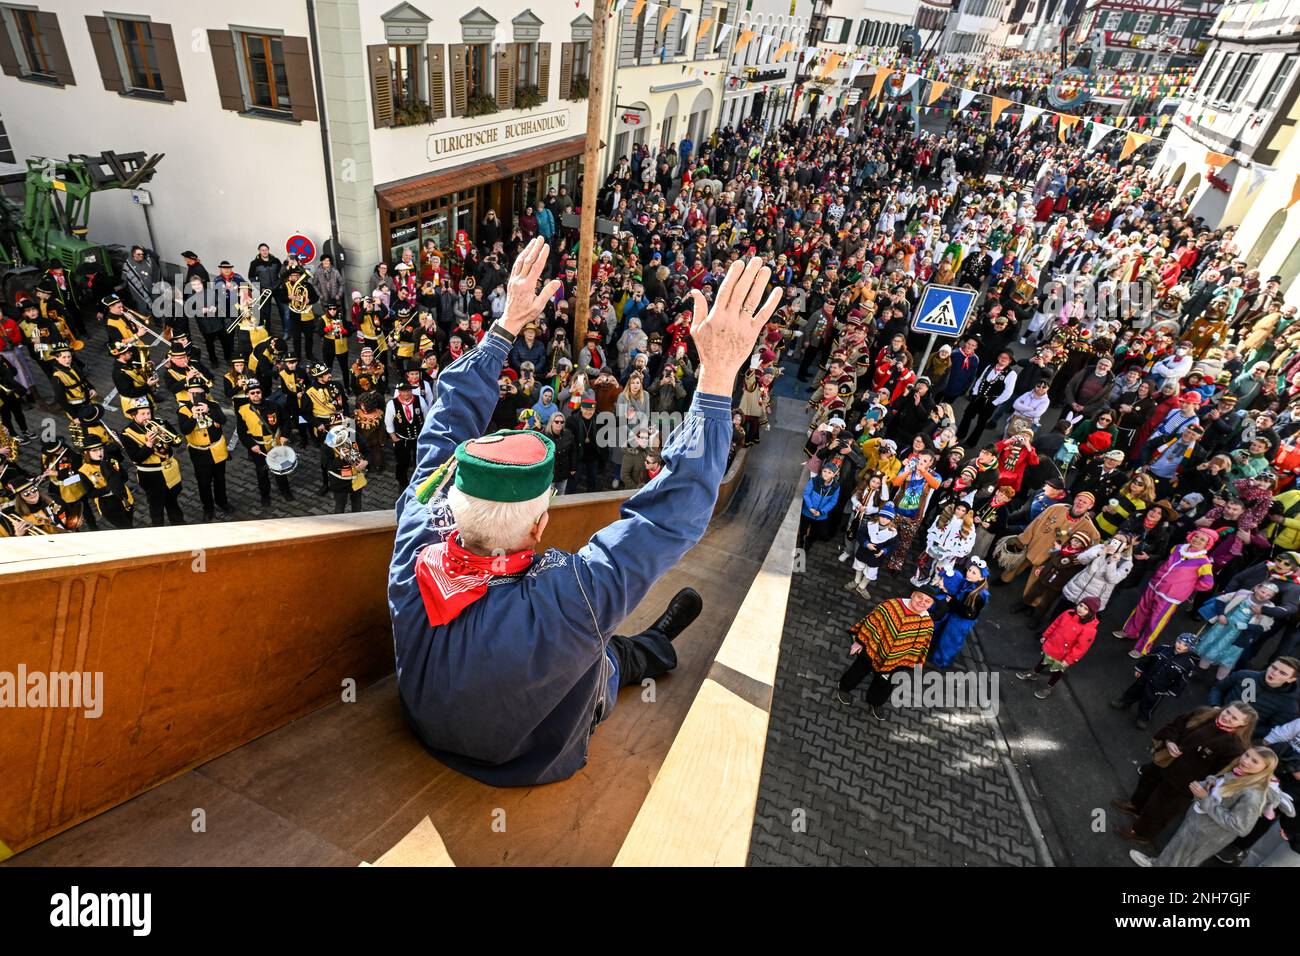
(501, 197)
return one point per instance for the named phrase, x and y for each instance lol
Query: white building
(1245, 104)
(372, 124)
(759, 85)
(665, 72)
(971, 27)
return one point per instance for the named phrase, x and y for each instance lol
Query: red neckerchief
(451, 578)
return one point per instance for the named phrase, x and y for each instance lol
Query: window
(640, 34)
(862, 32)
(837, 30)
(1218, 74)
(6, 148)
(404, 72)
(684, 37)
(1178, 26)
(1242, 84)
(136, 51)
(582, 59)
(32, 48)
(1144, 23)
(1280, 80)
(1126, 60)
(1241, 69)
(264, 73)
(1113, 20)
(722, 19)
(525, 64)
(478, 70)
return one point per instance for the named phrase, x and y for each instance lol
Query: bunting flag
(764, 45)
(1031, 116)
(667, 19)
(1067, 122)
(1295, 191)
(1099, 132)
(1216, 160)
(742, 41)
(704, 28)
(965, 100)
(1131, 142)
(936, 90)
(637, 8)
(910, 80)
(619, 5)
(878, 84)
(832, 62)
(687, 19)
(783, 49)
(722, 36)
(855, 69)
(1258, 173)
(999, 104)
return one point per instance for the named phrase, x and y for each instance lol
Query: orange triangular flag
(832, 62)
(1067, 122)
(882, 75)
(936, 90)
(783, 49)
(999, 104)
(637, 8)
(743, 40)
(1217, 160)
(704, 28)
(1295, 192)
(668, 18)
(1131, 142)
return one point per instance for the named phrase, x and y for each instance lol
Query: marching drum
(281, 460)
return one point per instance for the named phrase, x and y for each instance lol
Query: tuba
(1022, 291)
(299, 293)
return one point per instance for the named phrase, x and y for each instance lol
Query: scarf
(452, 578)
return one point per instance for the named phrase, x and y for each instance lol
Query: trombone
(250, 310)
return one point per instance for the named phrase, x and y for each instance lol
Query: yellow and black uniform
(345, 465)
(88, 429)
(1125, 506)
(259, 432)
(52, 313)
(72, 389)
(41, 335)
(262, 362)
(157, 468)
(323, 400)
(63, 460)
(39, 520)
(131, 381)
(335, 329)
(178, 379)
(406, 334)
(120, 327)
(235, 382)
(290, 396)
(371, 328)
(105, 484)
(203, 433)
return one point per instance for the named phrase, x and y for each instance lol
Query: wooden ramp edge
(700, 809)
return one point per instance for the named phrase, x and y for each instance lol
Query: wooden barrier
(207, 637)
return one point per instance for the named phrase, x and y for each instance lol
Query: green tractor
(44, 216)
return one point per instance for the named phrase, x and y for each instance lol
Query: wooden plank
(700, 809)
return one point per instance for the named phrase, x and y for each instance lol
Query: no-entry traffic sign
(301, 246)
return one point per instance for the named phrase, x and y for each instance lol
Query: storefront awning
(405, 192)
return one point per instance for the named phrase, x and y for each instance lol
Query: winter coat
(1067, 638)
(1275, 705)
(818, 498)
(1099, 576)
(1178, 578)
(566, 453)
(1165, 672)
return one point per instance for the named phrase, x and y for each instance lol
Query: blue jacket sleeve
(467, 396)
(662, 521)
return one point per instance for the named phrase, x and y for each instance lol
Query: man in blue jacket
(1272, 692)
(507, 660)
(965, 367)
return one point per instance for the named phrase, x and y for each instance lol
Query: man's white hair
(495, 527)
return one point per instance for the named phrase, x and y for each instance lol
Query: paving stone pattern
(925, 787)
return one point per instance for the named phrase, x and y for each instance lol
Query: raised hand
(725, 334)
(523, 302)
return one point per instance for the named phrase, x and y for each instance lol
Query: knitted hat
(1208, 532)
(887, 511)
(505, 466)
(1188, 638)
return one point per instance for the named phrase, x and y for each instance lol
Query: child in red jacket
(1064, 642)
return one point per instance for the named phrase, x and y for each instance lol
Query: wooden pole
(591, 172)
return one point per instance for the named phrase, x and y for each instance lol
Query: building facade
(1245, 105)
(759, 85)
(972, 26)
(1149, 35)
(372, 125)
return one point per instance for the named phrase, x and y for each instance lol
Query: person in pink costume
(1188, 569)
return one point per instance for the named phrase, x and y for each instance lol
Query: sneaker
(1044, 692)
(684, 607)
(842, 697)
(844, 556)
(1231, 855)
(850, 585)
(1140, 858)
(877, 713)
(1120, 635)
(1116, 704)
(1026, 675)
(864, 593)
(1135, 654)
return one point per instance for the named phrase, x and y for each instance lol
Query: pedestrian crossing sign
(943, 310)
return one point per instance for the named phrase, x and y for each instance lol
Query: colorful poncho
(894, 636)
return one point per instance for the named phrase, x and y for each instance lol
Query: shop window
(265, 77)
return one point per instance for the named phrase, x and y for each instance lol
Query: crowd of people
(1116, 424)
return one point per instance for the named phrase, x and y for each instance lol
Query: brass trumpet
(156, 430)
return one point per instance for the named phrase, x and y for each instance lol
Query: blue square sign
(943, 310)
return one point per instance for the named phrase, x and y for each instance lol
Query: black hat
(51, 264)
(47, 285)
(189, 254)
(404, 386)
(254, 386)
(90, 413)
(1056, 483)
(177, 349)
(88, 442)
(110, 300)
(224, 264)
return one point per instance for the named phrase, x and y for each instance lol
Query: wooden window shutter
(506, 76)
(381, 84)
(9, 64)
(48, 24)
(459, 79)
(702, 45)
(437, 80)
(222, 45)
(168, 66)
(566, 71)
(544, 70)
(297, 73)
(102, 43)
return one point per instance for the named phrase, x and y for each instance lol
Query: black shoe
(682, 609)
(877, 712)
(323, 491)
(1117, 705)
(1142, 724)
(842, 697)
